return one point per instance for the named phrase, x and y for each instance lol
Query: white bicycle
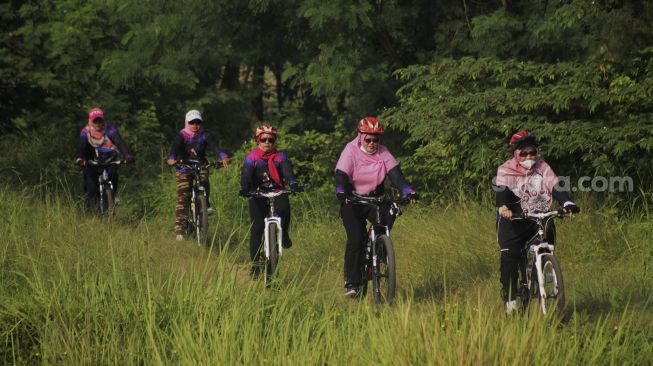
(273, 232)
(540, 272)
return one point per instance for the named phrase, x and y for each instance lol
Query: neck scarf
(98, 139)
(189, 134)
(366, 171)
(270, 156)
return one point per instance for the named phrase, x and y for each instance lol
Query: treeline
(452, 78)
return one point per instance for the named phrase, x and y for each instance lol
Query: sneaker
(511, 306)
(210, 210)
(116, 200)
(351, 291)
(179, 237)
(286, 243)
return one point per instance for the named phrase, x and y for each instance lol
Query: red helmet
(521, 139)
(266, 129)
(370, 125)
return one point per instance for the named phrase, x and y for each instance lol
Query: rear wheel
(553, 298)
(273, 259)
(201, 220)
(384, 277)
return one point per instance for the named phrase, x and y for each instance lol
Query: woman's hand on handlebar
(505, 212)
(412, 198)
(171, 162)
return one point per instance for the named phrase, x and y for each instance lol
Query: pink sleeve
(345, 162)
(388, 160)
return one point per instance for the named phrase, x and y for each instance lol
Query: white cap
(193, 114)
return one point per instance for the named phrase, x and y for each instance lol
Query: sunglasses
(524, 154)
(195, 122)
(267, 139)
(369, 140)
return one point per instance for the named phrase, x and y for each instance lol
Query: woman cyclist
(266, 169)
(100, 142)
(191, 143)
(524, 184)
(362, 168)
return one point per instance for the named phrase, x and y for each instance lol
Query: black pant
(354, 218)
(91, 187)
(513, 237)
(258, 210)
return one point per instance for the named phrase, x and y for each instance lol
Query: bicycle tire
(202, 220)
(384, 279)
(108, 204)
(554, 299)
(273, 260)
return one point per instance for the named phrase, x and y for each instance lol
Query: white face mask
(528, 164)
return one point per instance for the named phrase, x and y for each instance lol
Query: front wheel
(107, 203)
(553, 297)
(273, 246)
(201, 220)
(384, 278)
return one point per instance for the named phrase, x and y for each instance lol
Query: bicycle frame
(103, 178)
(375, 229)
(197, 189)
(271, 219)
(538, 247)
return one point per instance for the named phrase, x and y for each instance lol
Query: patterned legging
(183, 197)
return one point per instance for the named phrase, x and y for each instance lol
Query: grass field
(78, 290)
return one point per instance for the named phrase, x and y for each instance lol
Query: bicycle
(540, 270)
(197, 217)
(378, 257)
(272, 232)
(106, 193)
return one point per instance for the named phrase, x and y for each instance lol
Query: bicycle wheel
(384, 277)
(553, 298)
(273, 259)
(107, 204)
(201, 220)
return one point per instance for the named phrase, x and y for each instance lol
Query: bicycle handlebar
(97, 163)
(193, 164)
(560, 213)
(367, 200)
(271, 194)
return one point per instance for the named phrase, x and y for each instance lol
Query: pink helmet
(370, 125)
(95, 113)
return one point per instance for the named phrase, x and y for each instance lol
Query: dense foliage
(458, 78)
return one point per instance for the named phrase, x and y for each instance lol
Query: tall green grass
(80, 290)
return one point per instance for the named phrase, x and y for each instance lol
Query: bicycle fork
(535, 249)
(269, 221)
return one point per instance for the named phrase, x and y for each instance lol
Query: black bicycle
(106, 197)
(540, 272)
(197, 217)
(378, 257)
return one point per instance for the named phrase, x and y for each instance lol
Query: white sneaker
(511, 306)
(210, 210)
(179, 237)
(116, 200)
